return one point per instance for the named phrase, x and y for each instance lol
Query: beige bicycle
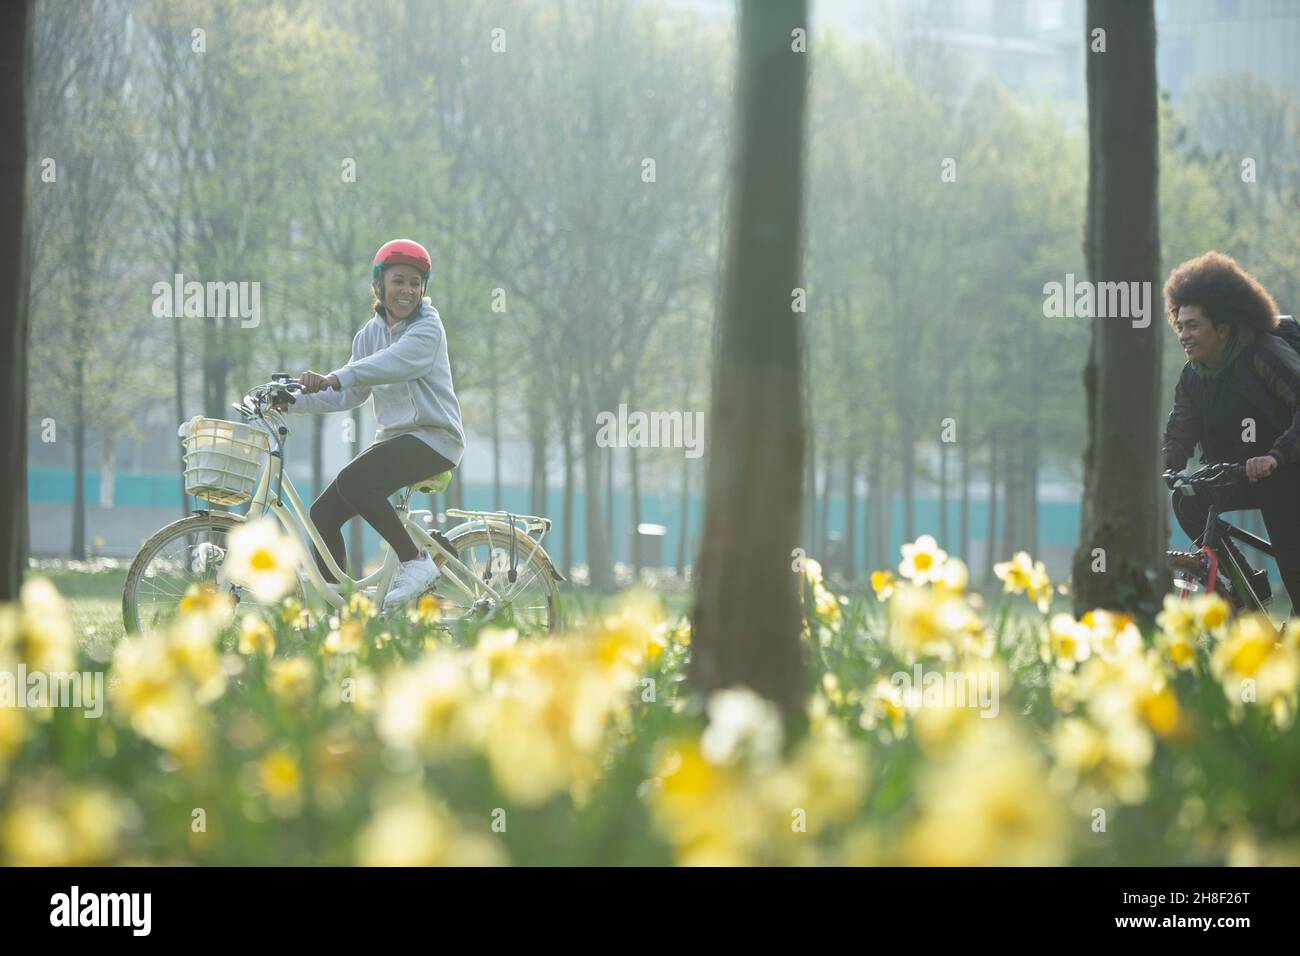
(495, 570)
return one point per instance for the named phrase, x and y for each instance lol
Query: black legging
(1278, 499)
(362, 488)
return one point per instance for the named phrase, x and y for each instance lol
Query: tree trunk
(610, 516)
(215, 368)
(494, 397)
(78, 547)
(907, 472)
(567, 435)
(885, 521)
(318, 454)
(747, 614)
(1031, 490)
(944, 542)
(1123, 505)
(684, 518)
(179, 385)
(868, 503)
(16, 21)
(808, 509)
(599, 569)
(107, 464)
(1031, 444)
(850, 567)
(634, 480)
(537, 439)
(991, 529)
(1010, 501)
(824, 511)
(357, 528)
(962, 437)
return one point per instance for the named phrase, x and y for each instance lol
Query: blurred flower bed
(939, 731)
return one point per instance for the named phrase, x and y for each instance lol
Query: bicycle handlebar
(256, 402)
(1215, 475)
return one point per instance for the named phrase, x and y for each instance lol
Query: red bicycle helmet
(402, 252)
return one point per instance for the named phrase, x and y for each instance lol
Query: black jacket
(1262, 383)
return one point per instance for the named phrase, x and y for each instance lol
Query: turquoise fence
(1058, 522)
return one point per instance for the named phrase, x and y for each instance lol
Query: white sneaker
(412, 578)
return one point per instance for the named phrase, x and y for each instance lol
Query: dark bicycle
(1213, 567)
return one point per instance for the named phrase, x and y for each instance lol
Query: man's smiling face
(1201, 341)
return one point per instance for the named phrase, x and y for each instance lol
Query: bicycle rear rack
(489, 520)
(528, 524)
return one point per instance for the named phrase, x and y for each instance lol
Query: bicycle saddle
(433, 484)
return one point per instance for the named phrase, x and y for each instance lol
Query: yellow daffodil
(826, 782)
(256, 636)
(1257, 666)
(1114, 635)
(44, 638)
(427, 611)
(153, 691)
(280, 779)
(360, 605)
(412, 831)
(1023, 575)
(34, 834)
(1178, 631)
(346, 637)
(884, 707)
(294, 614)
(988, 803)
(709, 817)
(1066, 643)
(740, 721)
(826, 604)
(923, 560)
(291, 678)
(929, 623)
(812, 570)
(13, 731)
(204, 599)
(1132, 689)
(1110, 761)
(682, 632)
(191, 644)
(494, 651)
(882, 583)
(424, 705)
(1212, 613)
(953, 576)
(263, 559)
(95, 819)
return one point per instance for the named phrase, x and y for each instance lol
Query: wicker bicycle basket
(222, 459)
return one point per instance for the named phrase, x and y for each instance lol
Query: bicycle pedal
(1185, 560)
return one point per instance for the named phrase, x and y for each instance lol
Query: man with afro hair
(1238, 398)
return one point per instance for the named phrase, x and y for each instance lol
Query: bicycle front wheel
(185, 552)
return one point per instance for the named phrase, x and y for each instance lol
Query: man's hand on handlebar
(315, 382)
(1260, 467)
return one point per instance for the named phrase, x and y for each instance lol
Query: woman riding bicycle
(1238, 397)
(400, 358)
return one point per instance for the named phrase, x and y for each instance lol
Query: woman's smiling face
(401, 290)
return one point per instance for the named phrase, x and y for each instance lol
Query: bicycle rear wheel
(185, 552)
(528, 603)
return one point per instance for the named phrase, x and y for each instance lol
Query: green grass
(95, 599)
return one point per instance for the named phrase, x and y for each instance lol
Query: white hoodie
(407, 370)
